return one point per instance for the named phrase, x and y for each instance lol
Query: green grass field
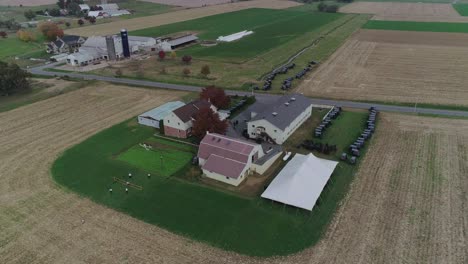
(462, 9)
(271, 28)
(12, 46)
(417, 26)
(163, 160)
(249, 226)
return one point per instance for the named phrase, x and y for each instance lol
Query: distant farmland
(271, 28)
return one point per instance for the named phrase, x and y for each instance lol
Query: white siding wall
(171, 120)
(148, 122)
(260, 169)
(222, 178)
(274, 132)
(296, 124)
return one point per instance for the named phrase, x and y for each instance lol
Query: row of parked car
(237, 105)
(355, 148)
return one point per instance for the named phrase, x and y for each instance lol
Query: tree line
(13, 79)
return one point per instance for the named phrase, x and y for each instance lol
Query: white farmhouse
(179, 122)
(227, 159)
(279, 120)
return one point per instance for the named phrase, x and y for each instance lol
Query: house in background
(65, 44)
(84, 8)
(108, 10)
(226, 159)
(278, 120)
(179, 122)
(154, 117)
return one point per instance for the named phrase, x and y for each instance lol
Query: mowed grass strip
(462, 9)
(418, 26)
(161, 160)
(254, 227)
(271, 28)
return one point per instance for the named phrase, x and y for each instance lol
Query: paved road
(260, 96)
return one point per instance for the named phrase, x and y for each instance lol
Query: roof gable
(226, 147)
(188, 111)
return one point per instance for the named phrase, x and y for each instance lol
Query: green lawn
(12, 46)
(271, 28)
(417, 26)
(163, 160)
(249, 226)
(462, 9)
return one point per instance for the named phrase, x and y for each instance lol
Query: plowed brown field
(189, 3)
(429, 12)
(177, 16)
(407, 204)
(395, 66)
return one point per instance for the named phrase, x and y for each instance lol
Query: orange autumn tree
(50, 30)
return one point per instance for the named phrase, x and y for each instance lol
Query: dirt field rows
(189, 3)
(177, 16)
(395, 66)
(408, 203)
(406, 11)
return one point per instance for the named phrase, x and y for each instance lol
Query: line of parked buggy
(355, 148)
(327, 121)
(272, 76)
(320, 147)
(287, 83)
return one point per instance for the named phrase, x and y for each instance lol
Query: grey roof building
(277, 121)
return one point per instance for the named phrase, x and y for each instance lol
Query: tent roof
(301, 181)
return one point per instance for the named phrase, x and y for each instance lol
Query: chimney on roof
(286, 104)
(275, 114)
(293, 98)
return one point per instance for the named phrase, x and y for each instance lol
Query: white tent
(301, 181)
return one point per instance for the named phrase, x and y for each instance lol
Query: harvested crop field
(426, 12)
(395, 66)
(189, 3)
(408, 201)
(177, 16)
(27, 2)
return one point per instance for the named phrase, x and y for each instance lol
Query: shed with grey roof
(153, 117)
(278, 120)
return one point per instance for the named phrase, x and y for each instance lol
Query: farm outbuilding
(153, 117)
(301, 181)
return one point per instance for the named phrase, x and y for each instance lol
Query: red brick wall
(173, 132)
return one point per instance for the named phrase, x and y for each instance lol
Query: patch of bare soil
(395, 66)
(406, 11)
(176, 16)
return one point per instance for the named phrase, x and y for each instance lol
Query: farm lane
(41, 70)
